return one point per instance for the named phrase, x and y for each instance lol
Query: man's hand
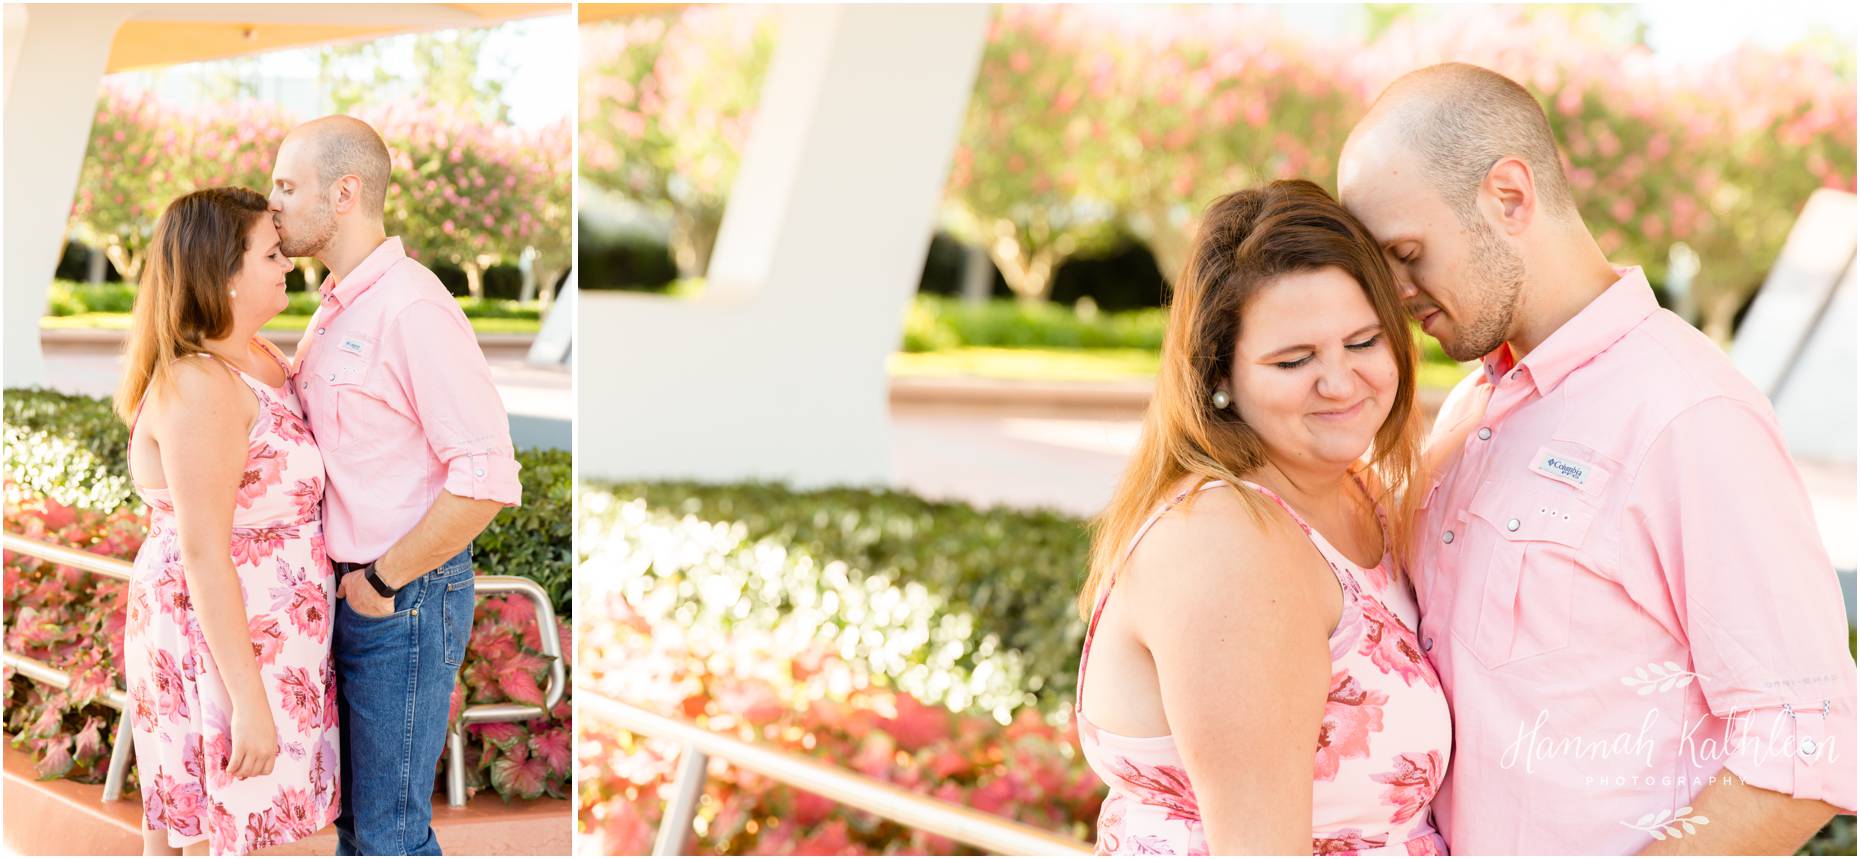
(361, 595)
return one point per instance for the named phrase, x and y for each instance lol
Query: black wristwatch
(374, 578)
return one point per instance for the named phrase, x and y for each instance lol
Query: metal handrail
(123, 747)
(949, 820)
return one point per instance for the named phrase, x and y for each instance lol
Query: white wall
(778, 370)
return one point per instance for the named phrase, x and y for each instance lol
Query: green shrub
(73, 450)
(70, 298)
(534, 540)
(940, 323)
(970, 608)
(69, 448)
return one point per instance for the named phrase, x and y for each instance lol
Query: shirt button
(1512, 525)
(1808, 748)
(414, 613)
(1485, 433)
(332, 377)
(319, 331)
(478, 471)
(1516, 373)
(1427, 644)
(1447, 537)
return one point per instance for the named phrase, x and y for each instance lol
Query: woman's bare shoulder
(1224, 542)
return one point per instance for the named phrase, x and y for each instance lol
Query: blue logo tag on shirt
(1557, 466)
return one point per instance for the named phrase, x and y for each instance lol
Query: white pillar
(55, 58)
(778, 370)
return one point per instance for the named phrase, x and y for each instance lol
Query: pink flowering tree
(143, 154)
(1214, 99)
(465, 191)
(1027, 182)
(469, 192)
(549, 213)
(128, 172)
(667, 102)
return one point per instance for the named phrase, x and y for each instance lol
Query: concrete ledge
(51, 818)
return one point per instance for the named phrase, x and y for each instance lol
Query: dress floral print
(180, 710)
(1380, 753)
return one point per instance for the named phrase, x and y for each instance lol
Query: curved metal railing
(955, 822)
(122, 748)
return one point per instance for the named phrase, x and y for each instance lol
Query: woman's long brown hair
(1245, 240)
(182, 301)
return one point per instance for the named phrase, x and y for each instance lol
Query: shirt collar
(345, 290)
(1607, 319)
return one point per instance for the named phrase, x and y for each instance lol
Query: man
(417, 448)
(1620, 579)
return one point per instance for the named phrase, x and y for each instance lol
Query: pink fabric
(180, 710)
(1624, 591)
(402, 403)
(1380, 753)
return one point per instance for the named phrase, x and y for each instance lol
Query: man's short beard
(321, 225)
(1494, 299)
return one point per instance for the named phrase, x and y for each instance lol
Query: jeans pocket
(457, 606)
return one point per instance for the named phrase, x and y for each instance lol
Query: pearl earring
(233, 292)
(1221, 399)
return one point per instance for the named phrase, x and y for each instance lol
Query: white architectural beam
(778, 370)
(51, 95)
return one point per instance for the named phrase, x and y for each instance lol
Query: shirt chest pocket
(1524, 545)
(343, 376)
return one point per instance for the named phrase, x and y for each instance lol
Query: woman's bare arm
(1236, 615)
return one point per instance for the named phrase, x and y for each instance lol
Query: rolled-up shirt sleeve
(1724, 516)
(450, 390)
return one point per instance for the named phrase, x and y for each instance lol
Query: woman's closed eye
(1360, 346)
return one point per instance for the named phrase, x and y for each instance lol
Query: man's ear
(348, 194)
(1510, 190)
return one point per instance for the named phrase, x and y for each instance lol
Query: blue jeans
(394, 678)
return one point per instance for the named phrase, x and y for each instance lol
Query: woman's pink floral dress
(180, 710)
(1379, 754)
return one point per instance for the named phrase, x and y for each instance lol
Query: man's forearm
(1747, 820)
(447, 528)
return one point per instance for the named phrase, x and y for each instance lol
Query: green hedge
(941, 323)
(973, 608)
(937, 323)
(72, 449)
(68, 298)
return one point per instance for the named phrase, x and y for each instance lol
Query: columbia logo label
(1572, 471)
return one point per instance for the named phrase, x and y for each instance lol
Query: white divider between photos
(777, 371)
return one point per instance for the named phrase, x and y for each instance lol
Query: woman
(1250, 681)
(228, 640)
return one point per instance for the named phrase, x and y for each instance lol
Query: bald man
(416, 447)
(1621, 582)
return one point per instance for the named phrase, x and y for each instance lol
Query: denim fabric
(394, 679)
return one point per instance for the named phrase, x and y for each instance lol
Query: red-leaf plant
(58, 615)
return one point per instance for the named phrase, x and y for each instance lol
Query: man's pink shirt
(401, 401)
(1624, 592)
